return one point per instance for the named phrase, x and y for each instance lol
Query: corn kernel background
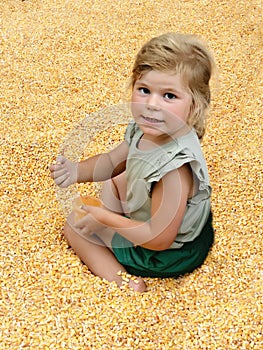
(62, 59)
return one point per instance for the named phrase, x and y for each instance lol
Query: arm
(98, 168)
(103, 166)
(169, 200)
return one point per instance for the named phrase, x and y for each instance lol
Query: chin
(150, 130)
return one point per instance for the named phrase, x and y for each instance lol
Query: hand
(64, 172)
(89, 224)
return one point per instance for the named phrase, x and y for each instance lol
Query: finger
(56, 174)
(82, 223)
(60, 172)
(66, 183)
(56, 167)
(51, 167)
(61, 159)
(79, 224)
(84, 234)
(62, 179)
(86, 208)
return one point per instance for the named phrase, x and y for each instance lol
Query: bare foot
(138, 285)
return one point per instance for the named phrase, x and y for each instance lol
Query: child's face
(161, 105)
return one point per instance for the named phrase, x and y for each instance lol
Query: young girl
(156, 220)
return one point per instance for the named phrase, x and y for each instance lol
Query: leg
(98, 257)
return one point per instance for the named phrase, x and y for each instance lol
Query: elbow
(161, 242)
(162, 247)
(157, 246)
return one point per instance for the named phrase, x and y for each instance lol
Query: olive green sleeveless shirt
(144, 168)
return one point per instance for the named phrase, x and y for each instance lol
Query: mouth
(151, 120)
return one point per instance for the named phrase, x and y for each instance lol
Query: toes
(138, 285)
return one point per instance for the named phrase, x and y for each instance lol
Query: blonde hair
(182, 54)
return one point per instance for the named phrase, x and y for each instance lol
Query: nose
(153, 103)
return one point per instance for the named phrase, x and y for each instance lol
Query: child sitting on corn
(156, 220)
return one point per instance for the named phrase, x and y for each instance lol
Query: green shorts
(143, 262)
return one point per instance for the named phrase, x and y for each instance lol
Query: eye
(169, 96)
(143, 90)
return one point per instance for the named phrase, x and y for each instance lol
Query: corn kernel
(62, 60)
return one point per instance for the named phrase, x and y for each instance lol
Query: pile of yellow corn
(61, 60)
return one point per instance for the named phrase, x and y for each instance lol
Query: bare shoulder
(180, 179)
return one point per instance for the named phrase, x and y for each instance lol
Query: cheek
(135, 97)
(184, 110)
(177, 114)
(188, 112)
(135, 109)
(137, 104)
